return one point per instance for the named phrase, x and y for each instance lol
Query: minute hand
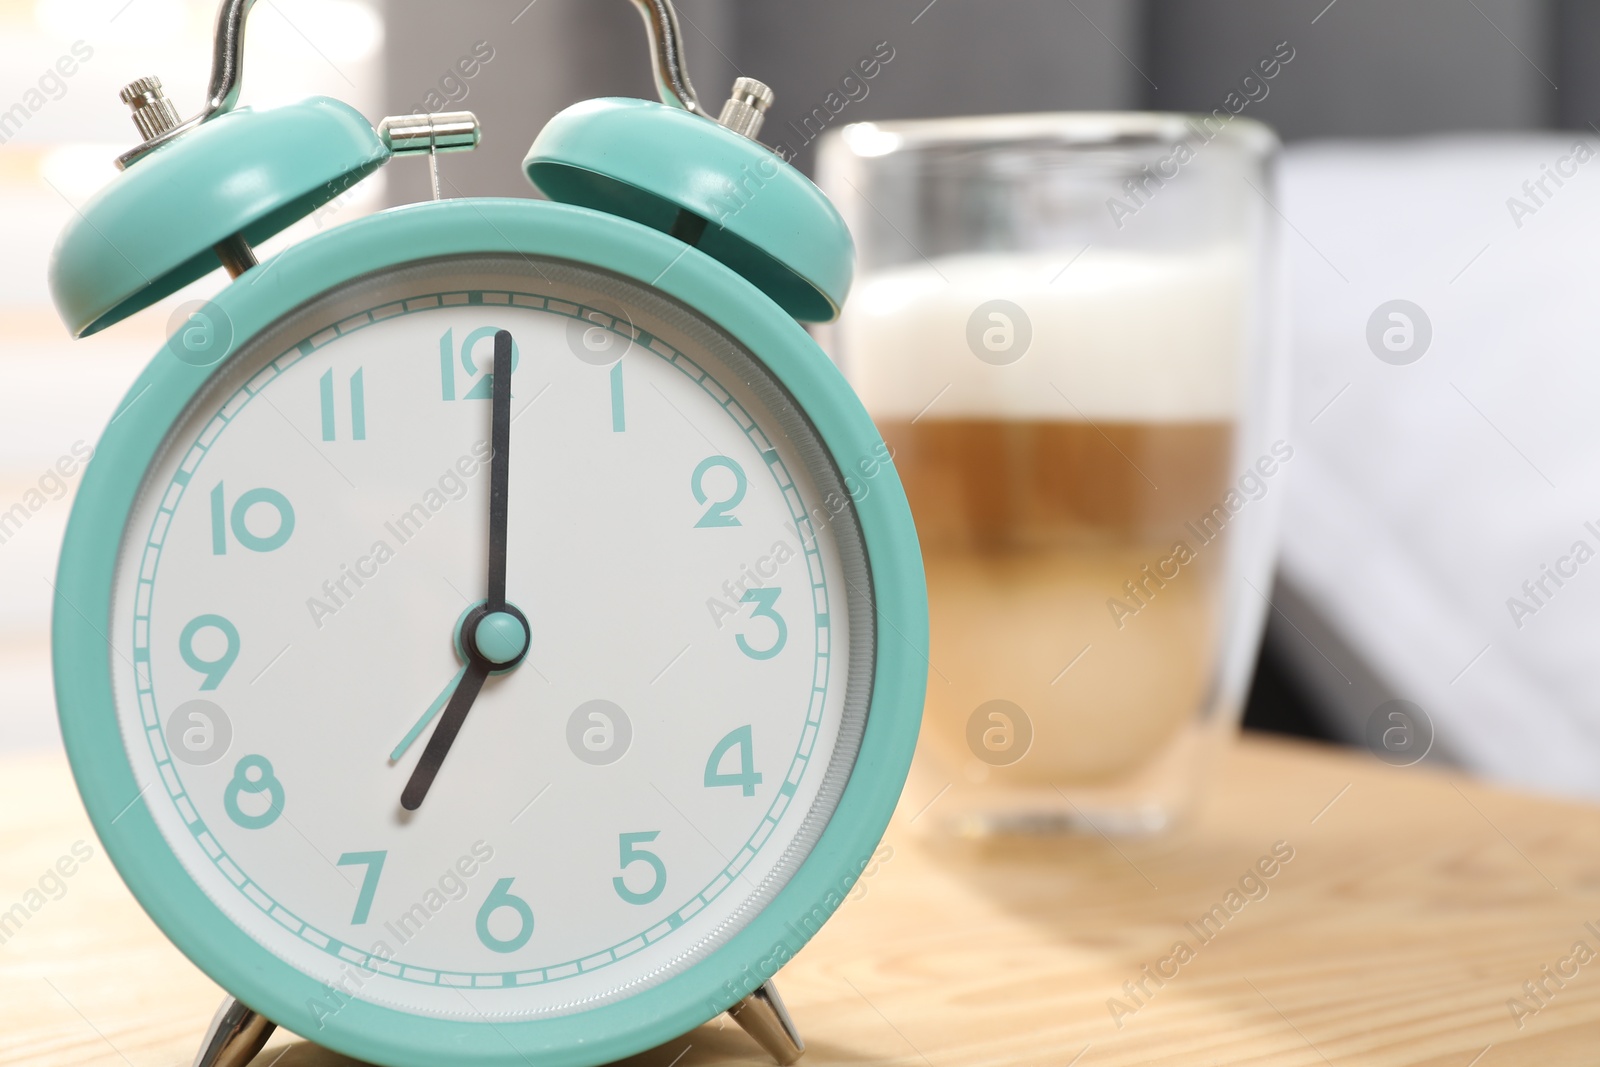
(479, 666)
(499, 470)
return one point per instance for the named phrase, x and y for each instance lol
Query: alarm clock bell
(187, 204)
(197, 194)
(710, 184)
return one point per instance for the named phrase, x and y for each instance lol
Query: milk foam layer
(1118, 335)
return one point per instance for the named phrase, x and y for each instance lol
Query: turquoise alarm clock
(490, 632)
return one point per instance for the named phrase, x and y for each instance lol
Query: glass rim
(1067, 129)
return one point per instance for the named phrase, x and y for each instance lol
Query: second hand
(427, 717)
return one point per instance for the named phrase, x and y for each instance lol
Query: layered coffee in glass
(1065, 328)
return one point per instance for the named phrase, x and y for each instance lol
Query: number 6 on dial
(501, 897)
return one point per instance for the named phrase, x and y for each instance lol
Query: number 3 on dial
(764, 599)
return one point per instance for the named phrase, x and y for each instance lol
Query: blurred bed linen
(1443, 526)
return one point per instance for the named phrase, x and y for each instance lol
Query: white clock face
(624, 799)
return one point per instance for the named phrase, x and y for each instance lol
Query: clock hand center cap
(497, 640)
(500, 637)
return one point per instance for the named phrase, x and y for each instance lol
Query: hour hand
(455, 713)
(493, 641)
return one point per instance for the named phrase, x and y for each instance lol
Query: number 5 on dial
(630, 854)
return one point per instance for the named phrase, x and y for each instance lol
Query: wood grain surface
(1402, 929)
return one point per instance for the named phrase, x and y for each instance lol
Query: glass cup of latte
(1067, 329)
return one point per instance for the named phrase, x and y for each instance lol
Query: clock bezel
(132, 442)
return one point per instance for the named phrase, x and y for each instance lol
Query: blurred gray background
(1362, 67)
(1409, 123)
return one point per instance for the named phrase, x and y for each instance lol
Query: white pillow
(1426, 494)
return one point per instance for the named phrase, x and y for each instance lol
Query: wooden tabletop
(1401, 929)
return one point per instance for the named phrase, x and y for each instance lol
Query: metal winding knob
(746, 108)
(153, 113)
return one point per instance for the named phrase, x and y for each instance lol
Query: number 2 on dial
(720, 513)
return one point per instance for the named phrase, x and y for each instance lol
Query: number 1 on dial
(619, 421)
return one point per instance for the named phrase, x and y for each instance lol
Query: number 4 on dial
(747, 777)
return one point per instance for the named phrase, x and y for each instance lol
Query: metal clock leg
(763, 1016)
(235, 1036)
